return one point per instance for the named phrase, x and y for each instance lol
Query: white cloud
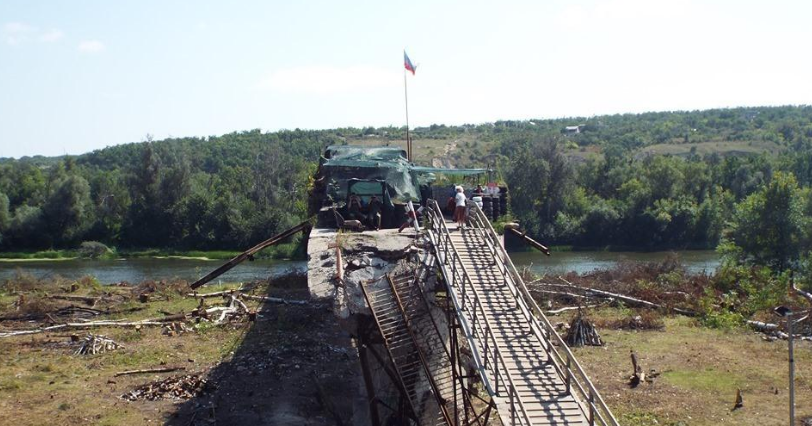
(329, 79)
(51, 36)
(91, 46)
(15, 33)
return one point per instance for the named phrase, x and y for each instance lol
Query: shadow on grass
(294, 366)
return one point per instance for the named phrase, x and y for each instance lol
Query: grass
(39, 255)
(42, 382)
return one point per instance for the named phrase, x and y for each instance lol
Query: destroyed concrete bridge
(446, 330)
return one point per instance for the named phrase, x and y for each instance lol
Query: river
(137, 270)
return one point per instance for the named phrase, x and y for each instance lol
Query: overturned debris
(179, 387)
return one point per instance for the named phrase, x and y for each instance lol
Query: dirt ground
(292, 366)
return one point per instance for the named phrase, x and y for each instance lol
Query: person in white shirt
(459, 211)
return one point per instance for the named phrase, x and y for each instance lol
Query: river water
(137, 270)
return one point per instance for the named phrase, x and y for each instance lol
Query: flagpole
(408, 139)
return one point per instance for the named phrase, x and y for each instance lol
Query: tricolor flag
(407, 63)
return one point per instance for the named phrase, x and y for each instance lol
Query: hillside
(581, 180)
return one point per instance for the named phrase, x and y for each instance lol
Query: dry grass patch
(700, 369)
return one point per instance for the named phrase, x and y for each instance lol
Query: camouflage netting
(340, 164)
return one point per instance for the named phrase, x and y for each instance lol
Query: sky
(81, 75)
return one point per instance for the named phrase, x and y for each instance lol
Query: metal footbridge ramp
(526, 368)
(415, 348)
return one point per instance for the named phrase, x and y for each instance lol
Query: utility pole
(786, 312)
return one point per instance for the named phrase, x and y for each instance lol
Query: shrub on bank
(94, 250)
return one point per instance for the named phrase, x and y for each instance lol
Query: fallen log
(569, 308)
(762, 326)
(150, 370)
(559, 293)
(628, 299)
(88, 300)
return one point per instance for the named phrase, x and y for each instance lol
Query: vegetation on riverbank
(292, 251)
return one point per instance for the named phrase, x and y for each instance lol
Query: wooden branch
(275, 300)
(805, 294)
(150, 370)
(73, 325)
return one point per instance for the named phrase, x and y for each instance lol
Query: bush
(93, 250)
(722, 319)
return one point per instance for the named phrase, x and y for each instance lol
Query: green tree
(69, 211)
(5, 217)
(769, 226)
(26, 229)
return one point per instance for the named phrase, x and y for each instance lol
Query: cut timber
(582, 333)
(250, 253)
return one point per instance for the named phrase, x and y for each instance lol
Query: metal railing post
(591, 408)
(569, 374)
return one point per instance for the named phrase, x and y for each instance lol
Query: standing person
(459, 211)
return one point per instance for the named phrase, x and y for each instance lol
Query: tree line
(596, 188)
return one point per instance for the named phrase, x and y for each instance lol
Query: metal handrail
(480, 329)
(567, 366)
(479, 332)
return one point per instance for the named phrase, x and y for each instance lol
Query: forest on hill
(644, 181)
